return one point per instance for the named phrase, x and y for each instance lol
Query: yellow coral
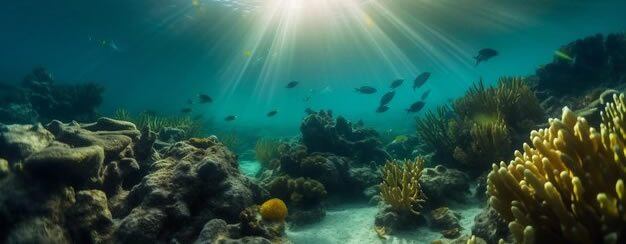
(274, 210)
(400, 187)
(568, 186)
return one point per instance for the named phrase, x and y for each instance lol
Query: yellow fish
(562, 55)
(400, 139)
(195, 3)
(482, 118)
(247, 53)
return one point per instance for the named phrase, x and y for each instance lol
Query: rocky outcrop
(441, 184)
(322, 133)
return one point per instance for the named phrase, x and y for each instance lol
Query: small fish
(247, 53)
(387, 98)
(197, 117)
(416, 107)
(425, 94)
(292, 84)
(309, 111)
(230, 118)
(306, 99)
(561, 55)
(272, 113)
(186, 110)
(114, 46)
(195, 3)
(204, 98)
(400, 139)
(189, 102)
(366, 90)
(421, 80)
(485, 54)
(382, 109)
(360, 123)
(396, 83)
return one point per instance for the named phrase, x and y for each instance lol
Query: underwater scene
(313, 121)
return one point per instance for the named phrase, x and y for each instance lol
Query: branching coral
(568, 187)
(266, 150)
(400, 187)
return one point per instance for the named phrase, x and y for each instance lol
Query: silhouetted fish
(396, 83)
(425, 94)
(272, 113)
(366, 90)
(306, 99)
(309, 111)
(416, 107)
(189, 102)
(204, 98)
(186, 110)
(387, 98)
(421, 80)
(292, 84)
(197, 117)
(485, 54)
(230, 118)
(382, 109)
(360, 123)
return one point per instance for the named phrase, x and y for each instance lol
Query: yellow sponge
(274, 209)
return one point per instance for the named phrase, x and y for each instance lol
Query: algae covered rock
(72, 166)
(441, 184)
(92, 212)
(19, 141)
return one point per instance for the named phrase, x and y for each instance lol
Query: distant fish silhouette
(387, 98)
(396, 83)
(272, 113)
(309, 111)
(366, 90)
(416, 107)
(292, 84)
(485, 54)
(421, 80)
(230, 118)
(204, 98)
(186, 110)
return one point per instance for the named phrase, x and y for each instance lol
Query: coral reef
(400, 187)
(274, 210)
(322, 133)
(107, 177)
(482, 125)
(447, 221)
(569, 186)
(593, 60)
(39, 98)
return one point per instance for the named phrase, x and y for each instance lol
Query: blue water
(167, 51)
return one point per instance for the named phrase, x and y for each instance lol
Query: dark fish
(309, 111)
(485, 54)
(189, 102)
(292, 84)
(197, 117)
(382, 109)
(360, 123)
(230, 118)
(387, 98)
(366, 90)
(416, 107)
(186, 110)
(396, 83)
(204, 98)
(272, 113)
(421, 80)
(306, 99)
(425, 94)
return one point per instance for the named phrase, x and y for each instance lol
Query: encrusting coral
(400, 187)
(568, 187)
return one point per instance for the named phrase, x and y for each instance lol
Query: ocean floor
(354, 223)
(250, 168)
